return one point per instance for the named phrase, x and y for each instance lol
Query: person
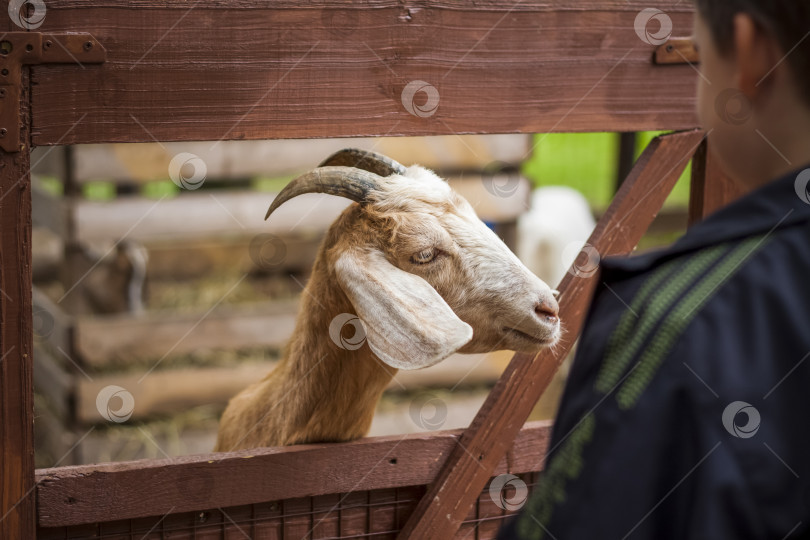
(687, 410)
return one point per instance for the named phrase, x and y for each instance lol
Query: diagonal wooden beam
(469, 467)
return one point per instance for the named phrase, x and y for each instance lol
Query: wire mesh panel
(371, 515)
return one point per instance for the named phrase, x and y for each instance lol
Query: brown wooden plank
(268, 521)
(297, 516)
(488, 514)
(103, 341)
(173, 389)
(711, 188)
(382, 514)
(177, 523)
(224, 214)
(191, 259)
(326, 516)
(237, 523)
(168, 391)
(208, 525)
(203, 215)
(17, 500)
(354, 514)
(467, 470)
(107, 492)
(216, 70)
(240, 160)
(407, 500)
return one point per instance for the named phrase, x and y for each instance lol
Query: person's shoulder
(744, 322)
(761, 280)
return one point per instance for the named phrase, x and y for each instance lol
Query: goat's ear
(408, 325)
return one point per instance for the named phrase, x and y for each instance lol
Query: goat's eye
(424, 256)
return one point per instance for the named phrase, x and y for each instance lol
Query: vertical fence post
(710, 189)
(17, 498)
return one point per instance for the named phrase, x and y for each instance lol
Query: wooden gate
(223, 70)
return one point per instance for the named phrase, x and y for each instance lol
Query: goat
(425, 277)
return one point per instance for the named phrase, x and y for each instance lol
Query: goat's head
(425, 275)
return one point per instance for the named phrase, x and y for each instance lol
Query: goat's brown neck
(319, 391)
(332, 391)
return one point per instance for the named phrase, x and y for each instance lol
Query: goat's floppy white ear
(408, 325)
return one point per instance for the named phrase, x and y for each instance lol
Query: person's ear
(756, 53)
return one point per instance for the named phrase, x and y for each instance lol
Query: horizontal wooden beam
(170, 391)
(216, 70)
(102, 341)
(108, 492)
(240, 160)
(207, 215)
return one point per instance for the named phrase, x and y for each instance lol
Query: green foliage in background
(98, 191)
(587, 162)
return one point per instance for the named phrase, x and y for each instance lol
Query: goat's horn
(354, 184)
(366, 160)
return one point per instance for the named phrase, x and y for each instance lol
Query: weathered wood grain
(169, 391)
(214, 70)
(467, 470)
(17, 499)
(102, 341)
(240, 160)
(108, 492)
(206, 215)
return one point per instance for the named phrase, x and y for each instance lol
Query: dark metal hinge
(27, 48)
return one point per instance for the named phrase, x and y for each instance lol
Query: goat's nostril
(548, 309)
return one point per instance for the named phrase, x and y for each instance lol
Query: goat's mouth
(528, 337)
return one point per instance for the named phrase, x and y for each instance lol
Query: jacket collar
(776, 205)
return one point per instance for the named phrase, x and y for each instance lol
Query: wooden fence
(215, 70)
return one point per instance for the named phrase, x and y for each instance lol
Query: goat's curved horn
(366, 160)
(354, 184)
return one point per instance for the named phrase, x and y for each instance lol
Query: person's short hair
(788, 21)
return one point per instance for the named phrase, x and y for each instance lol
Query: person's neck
(786, 146)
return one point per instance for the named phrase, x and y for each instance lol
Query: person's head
(754, 89)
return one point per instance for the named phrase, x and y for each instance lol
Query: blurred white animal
(553, 231)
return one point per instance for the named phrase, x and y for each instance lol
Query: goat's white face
(429, 278)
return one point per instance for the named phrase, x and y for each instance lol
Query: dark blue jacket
(687, 411)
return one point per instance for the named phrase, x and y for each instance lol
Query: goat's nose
(547, 309)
